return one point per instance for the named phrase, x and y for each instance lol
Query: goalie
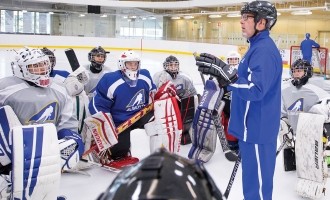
(186, 91)
(119, 96)
(301, 96)
(44, 129)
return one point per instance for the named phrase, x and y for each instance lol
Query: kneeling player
(119, 96)
(36, 101)
(186, 91)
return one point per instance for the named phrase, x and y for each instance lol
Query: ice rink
(89, 185)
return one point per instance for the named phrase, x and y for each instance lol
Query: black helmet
(308, 69)
(97, 51)
(261, 10)
(167, 62)
(163, 175)
(50, 55)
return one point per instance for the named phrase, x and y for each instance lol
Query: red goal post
(319, 59)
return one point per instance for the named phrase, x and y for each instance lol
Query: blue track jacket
(256, 95)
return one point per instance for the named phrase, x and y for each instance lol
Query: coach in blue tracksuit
(306, 47)
(256, 101)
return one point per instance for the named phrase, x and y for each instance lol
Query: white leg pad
(8, 120)
(166, 130)
(36, 162)
(309, 155)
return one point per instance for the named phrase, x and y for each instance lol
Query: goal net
(320, 59)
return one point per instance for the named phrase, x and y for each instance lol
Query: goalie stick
(72, 58)
(238, 162)
(127, 123)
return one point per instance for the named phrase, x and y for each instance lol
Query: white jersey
(296, 100)
(182, 82)
(93, 80)
(41, 105)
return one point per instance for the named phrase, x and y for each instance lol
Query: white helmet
(127, 56)
(32, 65)
(233, 58)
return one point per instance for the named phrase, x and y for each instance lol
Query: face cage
(97, 55)
(37, 73)
(132, 75)
(233, 61)
(169, 68)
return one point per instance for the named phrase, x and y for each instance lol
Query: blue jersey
(306, 47)
(256, 95)
(115, 96)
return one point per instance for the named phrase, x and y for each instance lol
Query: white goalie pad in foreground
(311, 168)
(36, 162)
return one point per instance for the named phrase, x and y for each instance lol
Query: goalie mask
(97, 56)
(163, 175)
(261, 10)
(32, 65)
(301, 71)
(233, 58)
(172, 66)
(129, 63)
(50, 55)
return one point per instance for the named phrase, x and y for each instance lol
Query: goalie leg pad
(309, 155)
(204, 136)
(103, 129)
(36, 162)
(166, 129)
(8, 120)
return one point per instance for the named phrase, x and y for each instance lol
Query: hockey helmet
(50, 55)
(97, 64)
(32, 65)
(308, 72)
(261, 10)
(163, 175)
(128, 56)
(233, 58)
(172, 66)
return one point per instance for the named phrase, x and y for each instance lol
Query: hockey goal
(320, 59)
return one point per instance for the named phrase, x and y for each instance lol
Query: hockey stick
(112, 169)
(122, 127)
(72, 58)
(238, 162)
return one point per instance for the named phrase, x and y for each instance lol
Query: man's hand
(210, 64)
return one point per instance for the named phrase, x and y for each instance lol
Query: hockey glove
(210, 64)
(165, 91)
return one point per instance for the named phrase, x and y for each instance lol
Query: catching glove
(210, 64)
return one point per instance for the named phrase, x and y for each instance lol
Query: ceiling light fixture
(301, 12)
(82, 15)
(104, 15)
(214, 16)
(175, 17)
(188, 17)
(234, 15)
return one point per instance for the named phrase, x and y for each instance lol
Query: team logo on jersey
(47, 114)
(179, 87)
(297, 105)
(137, 102)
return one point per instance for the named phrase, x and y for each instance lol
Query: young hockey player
(96, 69)
(233, 59)
(122, 94)
(256, 98)
(38, 104)
(186, 91)
(300, 95)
